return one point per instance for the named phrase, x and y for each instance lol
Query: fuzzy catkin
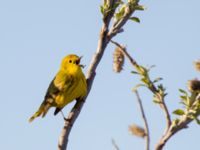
(118, 60)
(197, 65)
(137, 131)
(194, 85)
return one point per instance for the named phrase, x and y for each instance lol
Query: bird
(69, 84)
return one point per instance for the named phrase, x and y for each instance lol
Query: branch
(190, 114)
(183, 124)
(192, 110)
(115, 145)
(152, 88)
(147, 137)
(129, 9)
(104, 39)
(134, 63)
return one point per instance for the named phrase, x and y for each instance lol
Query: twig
(134, 63)
(147, 137)
(182, 123)
(153, 88)
(115, 145)
(104, 39)
(172, 130)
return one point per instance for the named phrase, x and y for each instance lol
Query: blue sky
(36, 35)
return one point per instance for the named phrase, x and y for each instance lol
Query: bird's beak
(82, 66)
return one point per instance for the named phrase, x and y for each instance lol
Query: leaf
(135, 19)
(185, 100)
(156, 101)
(102, 9)
(179, 112)
(141, 70)
(140, 7)
(134, 72)
(121, 12)
(161, 87)
(117, 4)
(197, 121)
(182, 91)
(157, 79)
(152, 66)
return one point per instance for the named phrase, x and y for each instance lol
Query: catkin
(137, 131)
(194, 85)
(118, 60)
(197, 65)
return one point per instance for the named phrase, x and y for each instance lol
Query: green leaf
(185, 100)
(117, 4)
(141, 70)
(182, 91)
(161, 88)
(102, 9)
(179, 112)
(156, 101)
(197, 121)
(135, 19)
(121, 12)
(134, 72)
(152, 66)
(140, 7)
(157, 79)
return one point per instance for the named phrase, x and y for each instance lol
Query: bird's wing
(62, 81)
(57, 85)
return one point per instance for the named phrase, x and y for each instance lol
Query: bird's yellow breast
(77, 88)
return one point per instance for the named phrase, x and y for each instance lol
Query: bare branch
(115, 145)
(147, 137)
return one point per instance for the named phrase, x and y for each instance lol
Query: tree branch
(115, 145)
(104, 39)
(147, 137)
(134, 63)
(153, 88)
(177, 124)
(172, 130)
(181, 123)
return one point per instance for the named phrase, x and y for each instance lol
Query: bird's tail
(41, 111)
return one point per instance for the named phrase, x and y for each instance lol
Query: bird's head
(71, 63)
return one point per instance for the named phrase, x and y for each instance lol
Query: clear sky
(36, 35)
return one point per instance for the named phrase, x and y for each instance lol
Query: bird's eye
(70, 61)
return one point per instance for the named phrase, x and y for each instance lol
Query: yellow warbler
(68, 84)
